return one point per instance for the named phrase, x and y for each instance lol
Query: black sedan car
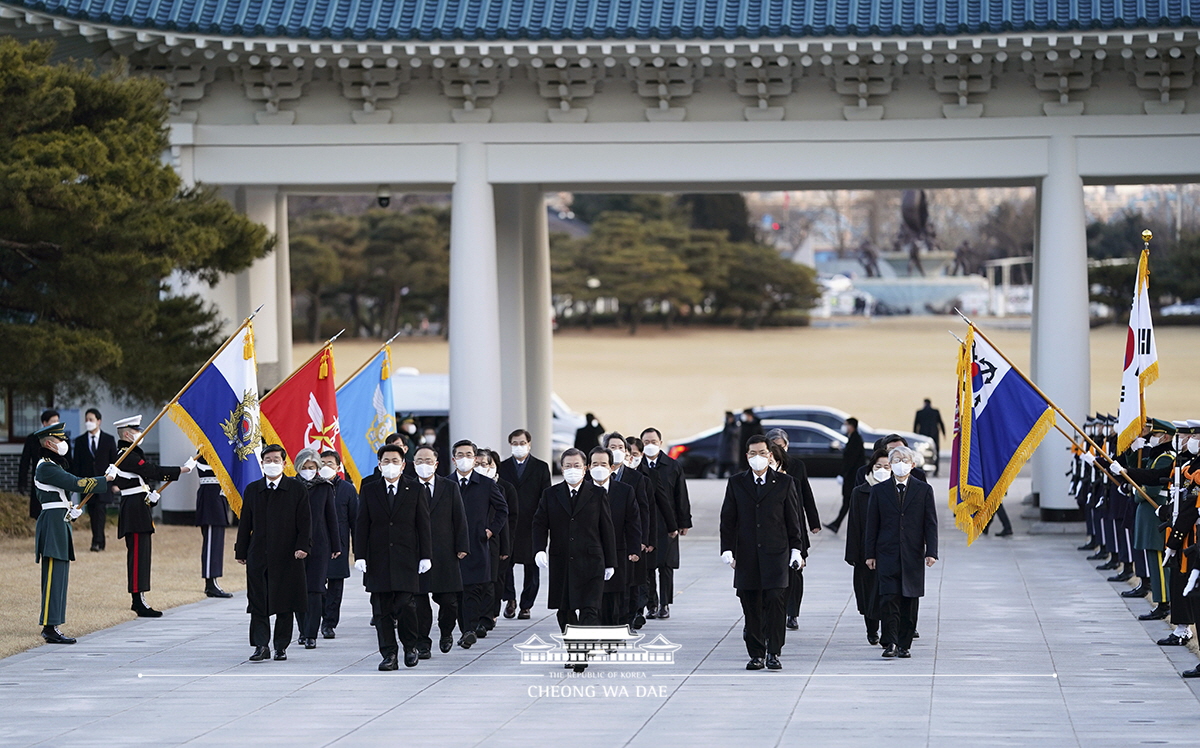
(819, 446)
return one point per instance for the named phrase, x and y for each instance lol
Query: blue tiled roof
(429, 20)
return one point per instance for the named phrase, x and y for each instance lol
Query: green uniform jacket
(1146, 535)
(53, 535)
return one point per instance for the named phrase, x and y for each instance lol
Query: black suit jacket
(393, 540)
(900, 537)
(88, 464)
(531, 484)
(760, 528)
(581, 544)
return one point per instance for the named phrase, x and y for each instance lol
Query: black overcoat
(272, 527)
(448, 532)
(865, 585)
(641, 485)
(627, 532)
(761, 528)
(899, 538)
(581, 545)
(345, 506)
(668, 476)
(501, 545)
(392, 541)
(531, 484)
(485, 509)
(326, 540)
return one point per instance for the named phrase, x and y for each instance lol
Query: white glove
(1191, 585)
(424, 565)
(110, 472)
(361, 565)
(608, 573)
(797, 561)
(1138, 443)
(727, 557)
(840, 480)
(1115, 468)
(1088, 457)
(190, 465)
(152, 498)
(1167, 556)
(542, 559)
(74, 512)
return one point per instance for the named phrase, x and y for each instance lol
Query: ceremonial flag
(219, 412)
(1141, 360)
(302, 411)
(962, 394)
(367, 413)
(1002, 419)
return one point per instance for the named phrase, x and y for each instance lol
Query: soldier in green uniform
(52, 539)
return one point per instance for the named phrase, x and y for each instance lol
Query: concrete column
(1061, 349)
(539, 361)
(283, 283)
(475, 372)
(259, 285)
(509, 253)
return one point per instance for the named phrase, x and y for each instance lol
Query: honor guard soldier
(134, 522)
(212, 517)
(52, 539)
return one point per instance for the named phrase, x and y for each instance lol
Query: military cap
(55, 429)
(130, 422)
(1158, 425)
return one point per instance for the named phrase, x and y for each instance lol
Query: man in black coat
(531, 476)
(274, 537)
(627, 533)
(486, 513)
(627, 456)
(854, 454)
(212, 517)
(30, 454)
(761, 538)
(448, 533)
(866, 589)
(94, 451)
(795, 469)
(393, 548)
(901, 540)
(928, 422)
(345, 505)
(669, 478)
(487, 462)
(588, 435)
(573, 520)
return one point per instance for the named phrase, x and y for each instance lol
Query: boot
(1140, 591)
(212, 589)
(1161, 611)
(53, 636)
(142, 609)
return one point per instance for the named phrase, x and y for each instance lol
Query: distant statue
(868, 257)
(915, 230)
(963, 259)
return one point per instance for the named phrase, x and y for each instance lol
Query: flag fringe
(196, 435)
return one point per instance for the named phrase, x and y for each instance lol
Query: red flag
(302, 411)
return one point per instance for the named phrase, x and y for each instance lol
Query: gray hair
(306, 454)
(774, 434)
(902, 453)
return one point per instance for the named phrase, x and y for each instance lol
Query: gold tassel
(385, 372)
(248, 344)
(324, 365)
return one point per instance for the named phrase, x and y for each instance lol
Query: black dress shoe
(890, 651)
(389, 663)
(651, 612)
(310, 643)
(873, 639)
(1124, 576)
(1098, 555)
(579, 667)
(481, 632)
(143, 610)
(96, 548)
(1161, 611)
(832, 528)
(523, 615)
(773, 662)
(424, 654)
(1113, 564)
(411, 657)
(53, 636)
(261, 654)
(664, 612)
(510, 609)
(916, 634)
(488, 624)
(212, 589)
(638, 621)
(446, 644)
(1172, 640)
(328, 633)
(1193, 673)
(1004, 533)
(756, 663)
(1140, 591)
(1089, 547)
(792, 623)
(903, 654)
(281, 655)
(467, 640)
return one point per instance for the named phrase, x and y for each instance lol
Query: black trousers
(636, 601)
(1002, 515)
(260, 619)
(1183, 611)
(664, 592)
(310, 621)
(899, 620)
(137, 561)
(472, 604)
(765, 625)
(614, 609)
(847, 487)
(97, 513)
(506, 587)
(394, 611)
(212, 551)
(447, 618)
(332, 614)
(530, 585)
(795, 593)
(581, 617)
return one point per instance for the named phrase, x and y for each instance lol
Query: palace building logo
(597, 645)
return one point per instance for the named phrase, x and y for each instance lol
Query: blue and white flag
(367, 414)
(219, 412)
(999, 428)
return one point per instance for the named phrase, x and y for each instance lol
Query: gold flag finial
(1147, 235)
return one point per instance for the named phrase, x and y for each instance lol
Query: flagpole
(307, 361)
(1058, 410)
(372, 357)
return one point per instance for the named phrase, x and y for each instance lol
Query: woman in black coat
(326, 543)
(866, 592)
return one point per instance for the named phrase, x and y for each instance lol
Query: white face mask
(272, 469)
(327, 472)
(430, 439)
(600, 473)
(390, 471)
(487, 472)
(634, 462)
(881, 474)
(573, 476)
(758, 463)
(1155, 440)
(308, 474)
(1193, 445)
(464, 464)
(409, 428)
(425, 471)
(520, 451)
(90, 425)
(652, 451)
(618, 456)
(62, 448)
(901, 469)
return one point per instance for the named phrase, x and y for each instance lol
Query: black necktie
(520, 469)
(574, 494)
(430, 487)
(465, 482)
(900, 491)
(93, 441)
(391, 497)
(271, 486)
